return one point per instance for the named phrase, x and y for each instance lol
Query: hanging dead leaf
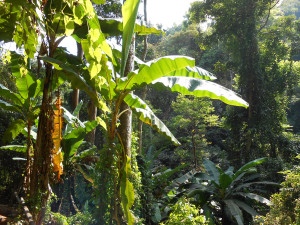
(57, 156)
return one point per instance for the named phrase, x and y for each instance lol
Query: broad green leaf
(202, 176)
(86, 49)
(36, 89)
(199, 191)
(86, 153)
(229, 171)
(101, 122)
(153, 70)
(246, 207)
(235, 211)
(255, 197)
(169, 172)
(249, 165)
(13, 130)
(69, 25)
(78, 14)
(72, 120)
(17, 148)
(77, 109)
(24, 84)
(235, 180)
(129, 13)
(147, 116)
(251, 177)
(9, 107)
(114, 27)
(245, 185)
(212, 170)
(72, 140)
(177, 182)
(6, 93)
(200, 88)
(225, 180)
(195, 72)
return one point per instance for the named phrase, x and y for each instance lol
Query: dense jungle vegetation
(196, 124)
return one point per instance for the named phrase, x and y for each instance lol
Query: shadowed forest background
(196, 124)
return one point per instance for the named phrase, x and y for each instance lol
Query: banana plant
(225, 194)
(104, 74)
(25, 101)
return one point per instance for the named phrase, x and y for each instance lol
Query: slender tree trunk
(194, 150)
(140, 124)
(75, 94)
(28, 162)
(75, 99)
(125, 126)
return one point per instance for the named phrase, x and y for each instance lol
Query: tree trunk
(75, 94)
(39, 186)
(125, 126)
(249, 71)
(75, 99)
(140, 124)
(28, 162)
(194, 150)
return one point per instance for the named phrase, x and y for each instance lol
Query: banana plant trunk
(124, 130)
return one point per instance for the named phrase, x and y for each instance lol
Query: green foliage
(285, 207)
(84, 217)
(256, 52)
(154, 180)
(183, 212)
(223, 194)
(191, 119)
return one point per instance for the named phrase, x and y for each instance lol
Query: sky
(167, 12)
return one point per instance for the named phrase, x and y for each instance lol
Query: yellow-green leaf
(94, 34)
(69, 25)
(101, 122)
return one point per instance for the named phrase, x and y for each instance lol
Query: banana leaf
(199, 88)
(147, 116)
